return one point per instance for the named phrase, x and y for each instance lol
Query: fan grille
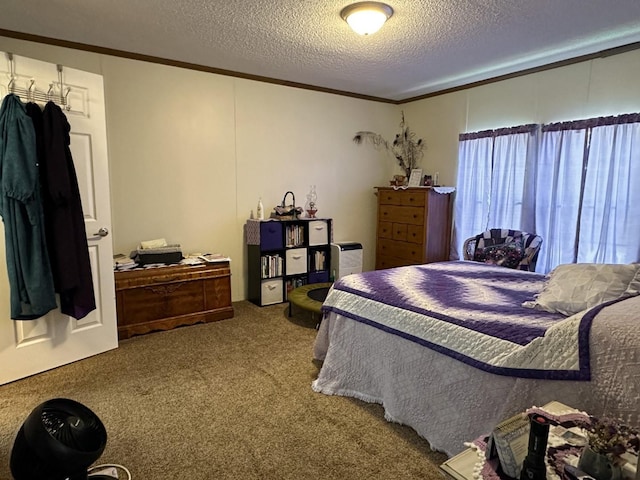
(78, 430)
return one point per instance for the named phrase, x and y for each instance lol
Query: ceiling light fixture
(366, 18)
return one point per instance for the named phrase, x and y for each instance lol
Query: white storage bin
(271, 291)
(296, 261)
(318, 232)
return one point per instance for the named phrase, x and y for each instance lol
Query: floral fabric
(505, 254)
(505, 247)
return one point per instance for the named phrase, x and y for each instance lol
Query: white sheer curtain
(510, 158)
(491, 190)
(557, 195)
(576, 189)
(473, 190)
(610, 214)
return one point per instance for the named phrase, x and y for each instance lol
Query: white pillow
(574, 287)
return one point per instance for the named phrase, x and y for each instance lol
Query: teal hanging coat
(30, 278)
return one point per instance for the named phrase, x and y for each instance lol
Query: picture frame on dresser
(415, 179)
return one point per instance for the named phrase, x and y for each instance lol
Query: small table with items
(564, 448)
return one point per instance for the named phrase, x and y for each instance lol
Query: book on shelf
(294, 283)
(318, 261)
(294, 235)
(271, 266)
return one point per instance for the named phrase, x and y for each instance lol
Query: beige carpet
(225, 400)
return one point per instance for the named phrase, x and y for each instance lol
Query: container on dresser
(414, 226)
(166, 297)
(285, 254)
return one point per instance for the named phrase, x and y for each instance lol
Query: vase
(311, 207)
(598, 465)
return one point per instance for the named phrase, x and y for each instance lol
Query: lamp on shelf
(366, 18)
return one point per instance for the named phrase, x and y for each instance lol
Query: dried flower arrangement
(611, 438)
(405, 148)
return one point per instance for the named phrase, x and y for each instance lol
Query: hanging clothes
(64, 218)
(31, 282)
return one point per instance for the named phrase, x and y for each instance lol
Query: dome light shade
(366, 18)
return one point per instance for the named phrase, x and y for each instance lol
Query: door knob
(102, 232)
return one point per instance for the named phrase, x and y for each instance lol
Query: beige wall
(605, 86)
(190, 152)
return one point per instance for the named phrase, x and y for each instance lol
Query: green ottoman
(309, 297)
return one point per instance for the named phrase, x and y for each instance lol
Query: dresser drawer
(402, 197)
(386, 261)
(318, 232)
(400, 231)
(271, 291)
(408, 251)
(396, 214)
(415, 234)
(385, 230)
(296, 261)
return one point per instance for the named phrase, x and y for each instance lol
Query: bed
(452, 348)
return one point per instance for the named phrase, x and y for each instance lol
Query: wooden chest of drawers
(167, 297)
(414, 227)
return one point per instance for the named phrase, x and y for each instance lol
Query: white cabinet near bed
(414, 226)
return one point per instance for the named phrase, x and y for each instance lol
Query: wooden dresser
(167, 297)
(414, 226)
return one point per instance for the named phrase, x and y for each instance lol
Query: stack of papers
(121, 260)
(200, 258)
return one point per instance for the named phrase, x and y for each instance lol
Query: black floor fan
(59, 440)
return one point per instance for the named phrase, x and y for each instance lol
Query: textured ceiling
(427, 46)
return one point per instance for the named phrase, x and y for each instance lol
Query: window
(572, 184)
(492, 192)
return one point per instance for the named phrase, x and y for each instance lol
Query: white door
(33, 346)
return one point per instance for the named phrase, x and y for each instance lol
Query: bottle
(260, 210)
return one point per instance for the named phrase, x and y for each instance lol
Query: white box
(346, 258)
(295, 261)
(318, 232)
(271, 291)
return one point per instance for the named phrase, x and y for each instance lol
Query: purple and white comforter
(438, 391)
(471, 312)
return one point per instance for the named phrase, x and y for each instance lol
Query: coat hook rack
(12, 68)
(31, 90)
(32, 94)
